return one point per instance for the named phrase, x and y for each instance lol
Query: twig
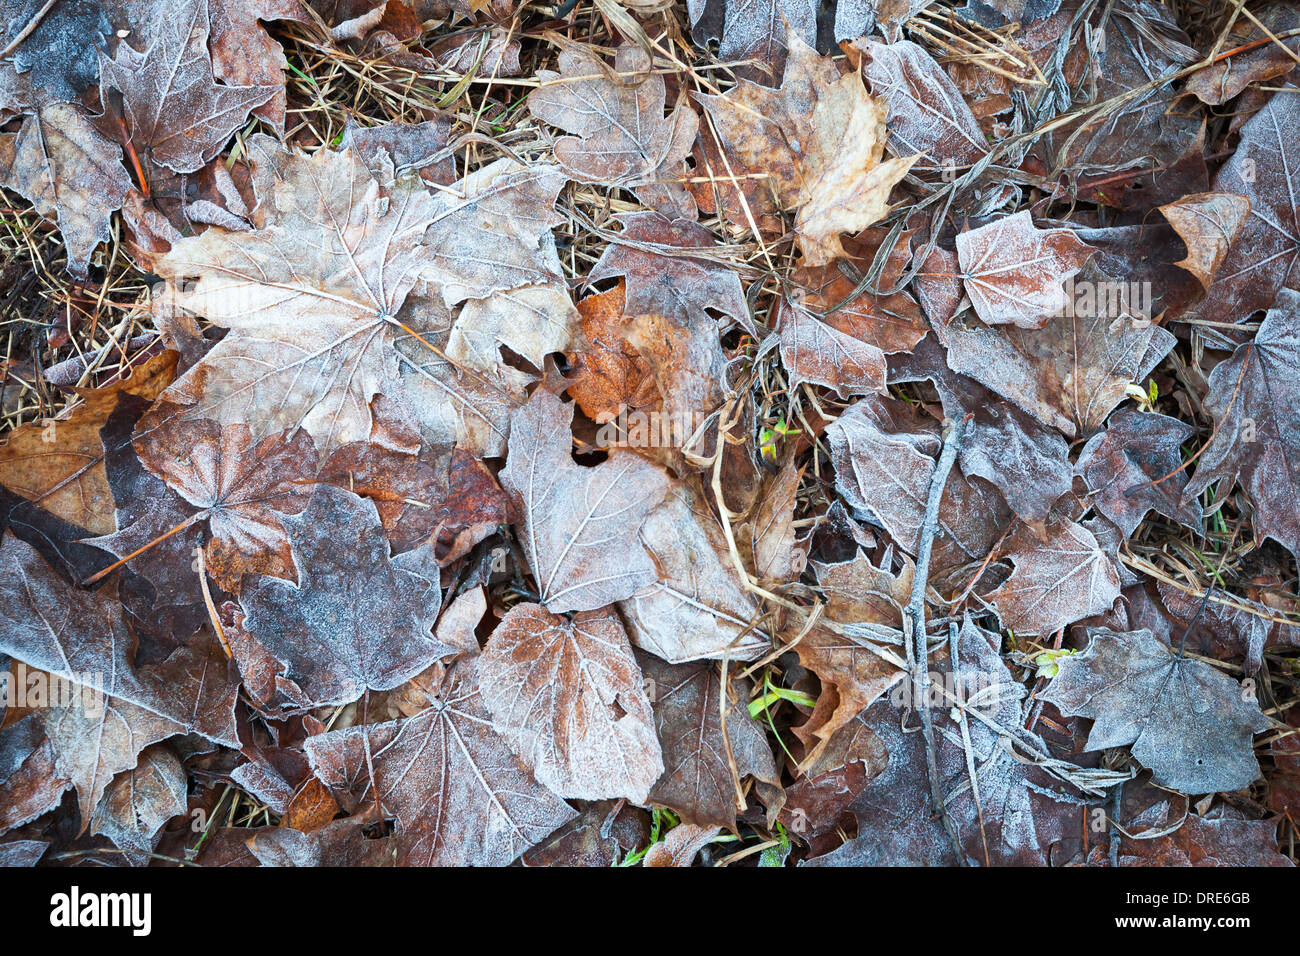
(916, 618)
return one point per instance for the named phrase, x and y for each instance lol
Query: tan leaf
(70, 172)
(578, 525)
(1015, 273)
(1208, 223)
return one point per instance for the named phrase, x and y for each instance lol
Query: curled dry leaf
(567, 695)
(821, 140)
(1209, 223)
(578, 525)
(141, 800)
(1188, 722)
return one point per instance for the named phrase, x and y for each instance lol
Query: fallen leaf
(567, 695)
(578, 525)
(1188, 722)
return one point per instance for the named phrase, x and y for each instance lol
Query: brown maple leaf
(821, 140)
(175, 112)
(455, 790)
(567, 695)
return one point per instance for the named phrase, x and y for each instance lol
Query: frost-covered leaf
(621, 136)
(697, 782)
(455, 790)
(1056, 581)
(1209, 223)
(696, 608)
(820, 354)
(1188, 722)
(578, 525)
(60, 54)
(70, 172)
(927, 114)
(1015, 273)
(1255, 400)
(1133, 467)
(1069, 374)
(357, 619)
(1262, 261)
(567, 695)
(141, 800)
(176, 113)
(308, 298)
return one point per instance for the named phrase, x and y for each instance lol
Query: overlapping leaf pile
(818, 453)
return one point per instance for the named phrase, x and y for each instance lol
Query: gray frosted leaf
(1188, 722)
(62, 52)
(358, 619)
(578, 525)
(1133, 467)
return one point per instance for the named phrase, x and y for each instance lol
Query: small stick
(916, 619)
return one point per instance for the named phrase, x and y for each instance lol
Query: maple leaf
(622, 137)
(697, 782)
(241, 486)
(1263, 259)
(531, 321)
(1068, 374)
(175, 111)
(567, 695)
(457, 793)
(927, 114)
(578, 525)
(1208, 223)
(140, 801)
(1133, 467)
(309, 298)
(1256, 438)
(1186, 721)
(820, 139)
(70, 173)
(1056, 581)
(695, 607)
(407, 146)
(1015, 272)
(609, 374)
(602, 835)
(669, 271)
(358, 619)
